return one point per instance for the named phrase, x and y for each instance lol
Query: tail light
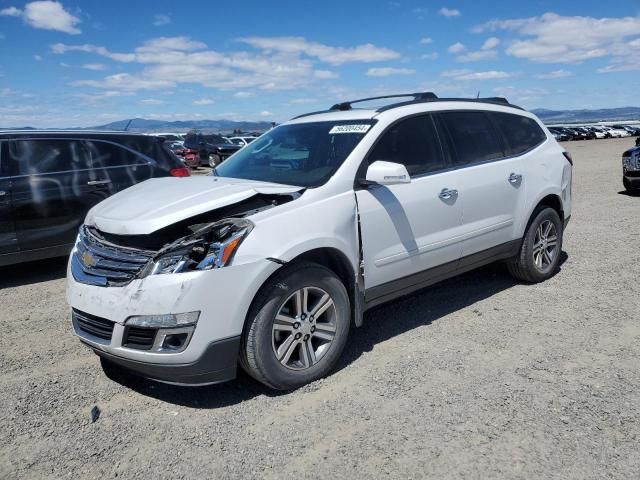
(180, 172)
(567, 155)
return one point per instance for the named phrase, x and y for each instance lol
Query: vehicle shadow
(634, 193)
(381, 323)
(33, 272)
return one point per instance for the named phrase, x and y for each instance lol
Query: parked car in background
(596, 132)
(49, 181)
(559, 134)
(242, 141)
(212, 149)
(631, 129)
(631, 168)
(169, 137)
(271, 259)
(617, 132)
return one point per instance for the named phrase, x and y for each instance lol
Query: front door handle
(515, 178)
(447, 194)
(98, 182)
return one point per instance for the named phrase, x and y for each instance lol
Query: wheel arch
(330, 258)
(547, 199)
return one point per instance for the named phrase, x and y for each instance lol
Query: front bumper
(217, 364)
(222, 296)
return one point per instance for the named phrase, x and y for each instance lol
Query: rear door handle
(447, 194)
(515, 178)
(98, 182)
(3, 193)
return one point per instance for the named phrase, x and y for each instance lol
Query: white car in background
(270, 260)
(617, 132)
(242, 141)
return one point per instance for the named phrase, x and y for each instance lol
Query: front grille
(96, 326)
(139, 338)
(97, 262)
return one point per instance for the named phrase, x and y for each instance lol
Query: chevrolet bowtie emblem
(88, 260)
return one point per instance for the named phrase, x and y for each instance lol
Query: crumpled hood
(160, 202)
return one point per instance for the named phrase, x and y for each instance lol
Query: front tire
(297, 328)
(214, 160)
(539, 253)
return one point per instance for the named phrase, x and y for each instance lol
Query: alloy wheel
(304, 328)
(545, 245)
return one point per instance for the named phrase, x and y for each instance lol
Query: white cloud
(447, 12)
(161, 19)
(152, 101)
(242, 94)
(203, 101)
(552, 38)
(554, 74)
(6, 92)
(266, 113)
(477, 56)
(11, 12)
(429, 56)
(490, 43)
(457, 48)
(521, 94)
(332, 55)
(126, 82)
(303, 101)
(45, 15)
(324, 75)
(94, 66)
(388, 71)
(37, 58)
(426, 41)
(171, 43)
(470, 75)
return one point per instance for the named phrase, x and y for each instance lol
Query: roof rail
(420, 96)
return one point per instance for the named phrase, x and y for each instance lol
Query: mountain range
(142, 125)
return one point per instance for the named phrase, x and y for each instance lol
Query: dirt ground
(478, 377)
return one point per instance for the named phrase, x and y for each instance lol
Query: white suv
(269, 261)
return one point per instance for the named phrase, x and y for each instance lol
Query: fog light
(175, 341)
(170, 320)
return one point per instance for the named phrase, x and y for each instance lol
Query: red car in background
(190, 157)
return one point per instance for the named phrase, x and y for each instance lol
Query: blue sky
(74, 63)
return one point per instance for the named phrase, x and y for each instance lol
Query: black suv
(213, 149)
(50, 180)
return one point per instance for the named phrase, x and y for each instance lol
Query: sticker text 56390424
(349, 129)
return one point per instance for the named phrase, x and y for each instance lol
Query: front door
(409, 228)
(8, 240)
(52, 190)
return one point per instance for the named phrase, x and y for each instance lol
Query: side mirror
(387, 173)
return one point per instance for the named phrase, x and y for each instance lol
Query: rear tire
(539, 253)
(297, 327)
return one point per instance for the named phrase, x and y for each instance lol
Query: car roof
(112, 135)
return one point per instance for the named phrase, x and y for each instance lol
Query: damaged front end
(205, 242)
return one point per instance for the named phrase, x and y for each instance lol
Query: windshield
(305, 155)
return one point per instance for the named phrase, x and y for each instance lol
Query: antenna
(126, 128)
(478, 95)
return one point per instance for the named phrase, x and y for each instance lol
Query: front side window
(32, 157)
(472, 137)
(522, 133)
(413, 143)
(305, 154)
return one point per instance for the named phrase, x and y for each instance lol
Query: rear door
(492, 184)
(409, 228)
(8, 239)
(116, 167)
(52, 190)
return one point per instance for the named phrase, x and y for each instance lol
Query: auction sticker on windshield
(349, 129)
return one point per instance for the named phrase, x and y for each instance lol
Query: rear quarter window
(520, 133)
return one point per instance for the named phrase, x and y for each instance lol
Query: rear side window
(412, 142)
(31, 157)
(472, 137)
(105, 154)
(154, 148)
(521, 133)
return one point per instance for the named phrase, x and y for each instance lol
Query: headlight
(210, 246)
